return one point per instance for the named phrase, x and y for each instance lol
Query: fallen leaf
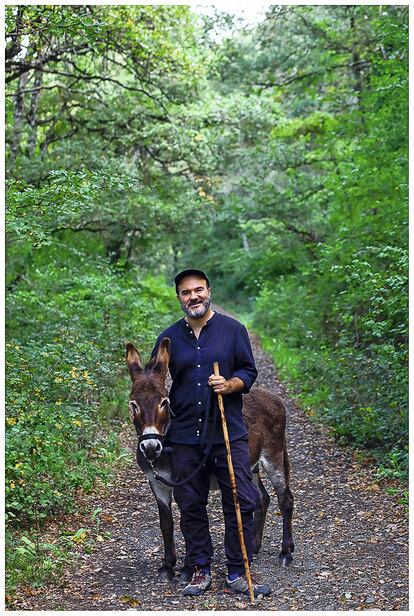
(129, 600)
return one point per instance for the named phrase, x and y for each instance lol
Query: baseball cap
(190, 272)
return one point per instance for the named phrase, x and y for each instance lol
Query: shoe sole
(196, 593)
(246, 592)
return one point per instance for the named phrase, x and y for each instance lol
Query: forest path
(351, 539)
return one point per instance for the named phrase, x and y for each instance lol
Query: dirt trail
(351, 539)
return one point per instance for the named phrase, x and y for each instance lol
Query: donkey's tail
(286, 463)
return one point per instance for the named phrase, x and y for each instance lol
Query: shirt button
(199, 384)
(198, 348)
(199, 402)
(200, 420)
(198, 366)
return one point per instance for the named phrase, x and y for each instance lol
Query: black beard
(200, 312)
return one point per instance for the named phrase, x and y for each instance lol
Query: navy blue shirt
(221, 339)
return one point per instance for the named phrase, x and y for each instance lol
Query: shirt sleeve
(245, 364)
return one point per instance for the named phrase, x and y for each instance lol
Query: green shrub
(67, 384)
(344, 347)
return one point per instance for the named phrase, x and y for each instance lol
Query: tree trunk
(32, 115)
(245, 241)
(18, 115)
(356, 63)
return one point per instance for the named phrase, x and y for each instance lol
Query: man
(198, 340)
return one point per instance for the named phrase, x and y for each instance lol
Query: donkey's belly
(163, 466)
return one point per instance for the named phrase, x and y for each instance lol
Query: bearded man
(202, 337)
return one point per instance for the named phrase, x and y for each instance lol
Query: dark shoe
(200, 582)
(240, 585)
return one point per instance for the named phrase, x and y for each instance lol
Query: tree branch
(328, 69)
(53, 56)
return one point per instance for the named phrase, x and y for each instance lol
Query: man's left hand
(223, 387)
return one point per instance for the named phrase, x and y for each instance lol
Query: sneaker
(240, 585)
(200, 582)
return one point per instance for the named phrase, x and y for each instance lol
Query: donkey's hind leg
(259, 512)
(277, 469)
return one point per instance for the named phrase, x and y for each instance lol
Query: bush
(344, 347)
(67, 384)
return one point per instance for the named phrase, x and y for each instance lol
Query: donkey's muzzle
(150, 447)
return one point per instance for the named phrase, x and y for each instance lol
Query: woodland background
(143, 139)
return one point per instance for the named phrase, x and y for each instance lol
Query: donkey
(265, 418)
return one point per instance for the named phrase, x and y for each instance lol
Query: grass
(286, 360)
(30, 561)
(38, 555)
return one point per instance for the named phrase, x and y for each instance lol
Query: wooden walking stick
(234, 488)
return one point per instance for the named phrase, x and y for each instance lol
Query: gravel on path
(351, 538)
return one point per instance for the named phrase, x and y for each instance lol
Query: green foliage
(98, 170)
(31, 558)
(274, 157)
(35, 213)
(39, 557)
(314, 215)
(66, 375)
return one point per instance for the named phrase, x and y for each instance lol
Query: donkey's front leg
(163, 495)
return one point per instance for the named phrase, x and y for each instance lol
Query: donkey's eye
(164, 403)
(134, 410)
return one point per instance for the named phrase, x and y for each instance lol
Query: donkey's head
(149, 407)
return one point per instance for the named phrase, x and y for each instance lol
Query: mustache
(196, 307)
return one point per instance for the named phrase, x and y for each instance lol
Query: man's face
(194, 296)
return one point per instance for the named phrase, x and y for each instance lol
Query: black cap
(190, 272)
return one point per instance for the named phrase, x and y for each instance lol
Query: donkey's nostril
(151, 449)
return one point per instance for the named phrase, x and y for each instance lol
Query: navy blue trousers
(192, 498)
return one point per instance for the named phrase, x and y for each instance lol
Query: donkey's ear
(133, 361)
(163, 357)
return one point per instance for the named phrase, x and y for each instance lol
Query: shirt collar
(207, 323)
(210, 319)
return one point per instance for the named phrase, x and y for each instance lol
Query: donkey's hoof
(166, 574)
(256, 548)
(285, 559)
(185, 576)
